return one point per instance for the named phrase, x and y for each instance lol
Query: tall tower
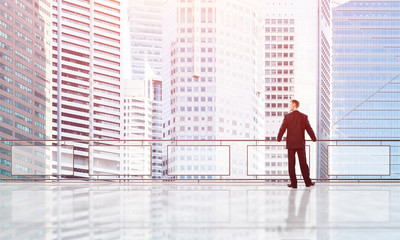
(143, 120)
(365, 89)
(279, 72)
(87, 78)
(211, 75)
(145, 20)
(145, 23)
(157, 127)
(25, 98)
(323, 130)
(297, 66)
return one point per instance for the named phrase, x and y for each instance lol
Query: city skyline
(158, 119)
(219, 76)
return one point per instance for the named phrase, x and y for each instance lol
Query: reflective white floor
(206, 211)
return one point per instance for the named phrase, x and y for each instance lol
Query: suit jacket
(296, 123)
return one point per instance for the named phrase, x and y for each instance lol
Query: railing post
(59, 161)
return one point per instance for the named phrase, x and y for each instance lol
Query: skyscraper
(365, 89)
(143, 120)
(157, 127)
(24, 81)
(145, 20)
(323, 129)
(297, 66)
(211, 74)
(145, 24)
(279, 67)
(87, 101)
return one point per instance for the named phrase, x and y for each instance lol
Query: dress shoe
(292, 186)
(311, 184)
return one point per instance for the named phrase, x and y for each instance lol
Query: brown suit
(296, 124)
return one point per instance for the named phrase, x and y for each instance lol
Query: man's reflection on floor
(296, 220)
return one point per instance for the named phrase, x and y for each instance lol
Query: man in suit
(296, 123)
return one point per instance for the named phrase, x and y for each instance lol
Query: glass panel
(115, 160)
(189, 160)
(271, 160)
(43, 160)
(359, 160)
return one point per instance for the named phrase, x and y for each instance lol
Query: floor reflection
(198, 211)
(297, 218)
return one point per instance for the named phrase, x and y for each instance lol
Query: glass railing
(198, 159)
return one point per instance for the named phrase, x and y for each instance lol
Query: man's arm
(310, 130)
(282, 129)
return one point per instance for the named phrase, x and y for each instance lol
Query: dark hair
(295, 103)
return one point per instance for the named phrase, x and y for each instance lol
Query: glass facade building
(212, 74)
(143, 119)
(25, 97)
(323, 130)
(145, 19)
(365, 85)
(297, 54)
(145, 40)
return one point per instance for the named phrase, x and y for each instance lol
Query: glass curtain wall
(365, 88)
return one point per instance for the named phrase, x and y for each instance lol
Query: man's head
(294, 105)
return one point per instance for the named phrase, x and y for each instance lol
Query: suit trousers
(301, 154)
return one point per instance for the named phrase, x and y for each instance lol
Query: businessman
(296, 123)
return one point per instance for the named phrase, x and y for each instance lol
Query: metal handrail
(219, 141)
